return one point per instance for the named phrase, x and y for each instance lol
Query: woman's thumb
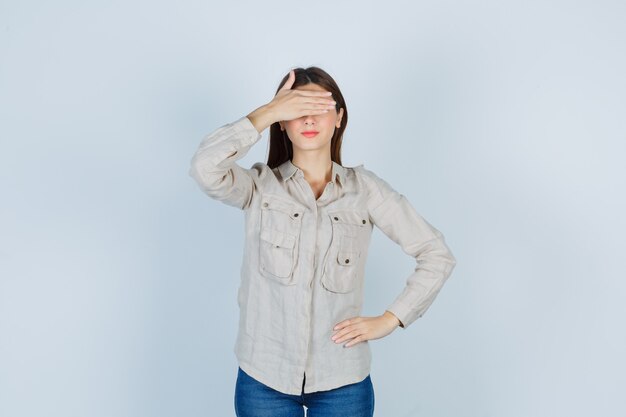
(290, 80)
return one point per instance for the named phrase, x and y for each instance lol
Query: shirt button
(364, 221)
(336, 218)
(347, 260)
(265, 204)
(295, 214)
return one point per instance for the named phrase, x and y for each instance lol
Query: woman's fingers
(354, 341)
(341, 337)
(312, 111)
(304, 109)
(314, 93)
(317, 100)
(290, 80)
(289, 104)
(316, 106)
(360, 329)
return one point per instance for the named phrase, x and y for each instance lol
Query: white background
(503, 122)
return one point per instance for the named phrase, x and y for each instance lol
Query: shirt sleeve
(214, 164)
(392, 213)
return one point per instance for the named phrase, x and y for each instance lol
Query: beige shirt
(304, 260)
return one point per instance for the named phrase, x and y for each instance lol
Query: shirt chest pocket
(281, 224)
(345, 260)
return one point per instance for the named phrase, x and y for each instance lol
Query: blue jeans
(255, 399)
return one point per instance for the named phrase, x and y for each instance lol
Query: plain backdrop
(503, 123)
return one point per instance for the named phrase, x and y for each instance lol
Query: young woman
(301, 340)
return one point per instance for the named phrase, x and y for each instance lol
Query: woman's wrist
(261, 118)
(392, 318)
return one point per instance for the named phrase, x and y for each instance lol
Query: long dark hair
(281, 148)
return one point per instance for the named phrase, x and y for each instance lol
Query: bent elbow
(451, 263)
(451, 259)
(202, 173)
(195, 168)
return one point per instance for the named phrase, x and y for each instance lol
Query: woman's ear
(339, 116)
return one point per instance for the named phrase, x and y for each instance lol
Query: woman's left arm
(392, 213)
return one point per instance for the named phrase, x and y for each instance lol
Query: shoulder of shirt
(377, 186)
(365, 174)
(263, 172)
(260, 169)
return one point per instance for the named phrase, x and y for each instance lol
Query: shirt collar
(287, 169)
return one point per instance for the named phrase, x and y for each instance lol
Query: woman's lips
(309, 134)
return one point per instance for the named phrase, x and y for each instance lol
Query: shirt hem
(326, 386)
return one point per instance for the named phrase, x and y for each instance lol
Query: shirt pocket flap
(353, 217)
(278, 238)
(291, 208)
(347, 257)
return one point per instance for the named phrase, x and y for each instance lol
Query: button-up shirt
(304, 260)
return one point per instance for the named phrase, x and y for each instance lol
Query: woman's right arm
(214, 165)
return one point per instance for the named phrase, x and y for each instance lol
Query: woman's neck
(316, 170)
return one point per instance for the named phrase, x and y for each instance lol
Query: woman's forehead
(311, 87)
